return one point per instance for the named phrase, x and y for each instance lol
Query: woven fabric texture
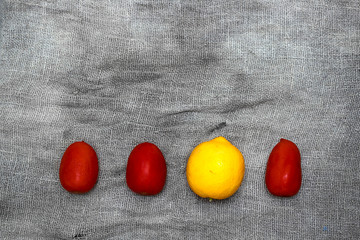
(177, 73)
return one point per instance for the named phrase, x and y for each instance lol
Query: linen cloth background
(177, 73)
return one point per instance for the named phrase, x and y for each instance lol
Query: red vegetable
(146, 169)
(79, 168)
(283, 171)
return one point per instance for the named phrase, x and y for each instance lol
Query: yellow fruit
(215, 169)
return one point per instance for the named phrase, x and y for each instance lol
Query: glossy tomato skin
(146, 169)
(283, 171)
(79, 168)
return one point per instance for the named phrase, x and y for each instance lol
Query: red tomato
(146, 169)
(283, 171)
(79, 168)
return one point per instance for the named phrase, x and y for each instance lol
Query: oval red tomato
(79, 168)
(146, 169)
(283, 171)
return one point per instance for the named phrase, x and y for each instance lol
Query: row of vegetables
(215, 169)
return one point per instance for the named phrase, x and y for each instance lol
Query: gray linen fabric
(177, 73)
